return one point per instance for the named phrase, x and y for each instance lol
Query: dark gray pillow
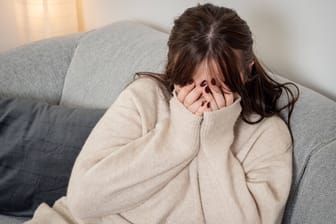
(39, 143)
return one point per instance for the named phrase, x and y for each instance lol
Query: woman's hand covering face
(191, 97)
(205, 96)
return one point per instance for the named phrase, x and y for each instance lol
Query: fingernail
(213, 82)
(207, 89)
(208, 105)
(203, 83)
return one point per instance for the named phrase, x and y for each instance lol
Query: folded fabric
(150, 160)
(39, 143)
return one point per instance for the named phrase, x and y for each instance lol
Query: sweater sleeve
(121, 164)
(254, 190)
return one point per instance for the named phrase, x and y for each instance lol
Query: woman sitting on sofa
(201, 143)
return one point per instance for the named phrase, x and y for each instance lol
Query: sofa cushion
(314, 201)
(313, 125)
(37, 70)
(107, 58)
(39, 144)
(4, 219)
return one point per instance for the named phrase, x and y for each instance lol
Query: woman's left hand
(219, 95)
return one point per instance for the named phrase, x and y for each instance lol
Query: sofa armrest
(37, 70)
(313, 127)
(314, 200)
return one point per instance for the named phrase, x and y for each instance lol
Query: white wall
(8, 33)
(16, 29)
(295, 39)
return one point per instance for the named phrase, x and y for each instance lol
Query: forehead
(208, 69)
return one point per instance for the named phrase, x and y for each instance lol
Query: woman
(202, 143)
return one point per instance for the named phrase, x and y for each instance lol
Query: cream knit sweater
(150, 160)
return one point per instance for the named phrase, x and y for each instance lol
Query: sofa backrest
(37, 70)
(313, 125)
(106, 60)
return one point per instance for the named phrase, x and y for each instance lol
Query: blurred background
(295, 39)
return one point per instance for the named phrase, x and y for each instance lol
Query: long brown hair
(208, 32)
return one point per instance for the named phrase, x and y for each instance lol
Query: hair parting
(213, 33)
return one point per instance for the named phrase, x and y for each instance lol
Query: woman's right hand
(191, 97)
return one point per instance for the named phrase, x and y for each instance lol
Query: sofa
(53, 91)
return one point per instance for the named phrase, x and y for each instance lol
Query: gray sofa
(89, 69)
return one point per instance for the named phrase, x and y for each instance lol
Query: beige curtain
(39, 19)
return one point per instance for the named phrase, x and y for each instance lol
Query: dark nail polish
(208, 105)
(213, 81)
(203, 83)
(207, 89)
(202, 103)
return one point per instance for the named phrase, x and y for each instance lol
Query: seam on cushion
(72, 55)
(301, 176)
(71, 61)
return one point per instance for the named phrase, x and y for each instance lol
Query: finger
(225, 87)
(194, 95)
(202, 108)
(208, 109)
(229, 99)
(217, 94)
(196, 105)
(228, 95)
(184, 91)
(208, 96)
